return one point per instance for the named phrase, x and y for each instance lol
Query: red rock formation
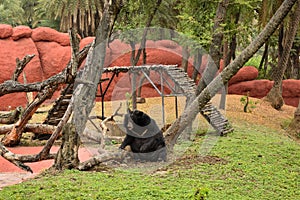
(260, 88)
(256, 88)
(52, 52)
(21, 32)
(5, 31)
(9, 51)
(291, 88)
(53, 57)
(50, 35)
(246, 73)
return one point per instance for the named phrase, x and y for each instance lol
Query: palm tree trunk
(275, 94)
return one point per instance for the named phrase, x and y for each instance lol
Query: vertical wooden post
(67, 156)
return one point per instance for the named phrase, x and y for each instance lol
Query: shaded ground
(10, 174)
(261, 114)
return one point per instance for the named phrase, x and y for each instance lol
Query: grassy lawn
(256, 161)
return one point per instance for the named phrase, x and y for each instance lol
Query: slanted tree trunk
(202, 99)
(230, 55)
(67, 155)
(275, 94)
(135, 56)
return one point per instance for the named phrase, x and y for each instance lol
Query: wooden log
(5, 153)
(104, 157)
(12, 117)
(34, 128)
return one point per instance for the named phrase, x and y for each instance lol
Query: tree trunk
(294, 128)
(34, 128)
(67, 155)
(197, 64)
(202, 99)
(213, 63)
(85, 92)
(136, 57)
(185, 58)
(275, 94)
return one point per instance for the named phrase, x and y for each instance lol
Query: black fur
(144, 137)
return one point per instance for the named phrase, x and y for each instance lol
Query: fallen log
(11, 117)
(33, 128)
(104, 157)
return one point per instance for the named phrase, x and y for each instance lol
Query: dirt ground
(261, 113)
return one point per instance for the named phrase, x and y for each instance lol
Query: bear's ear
(138, 113)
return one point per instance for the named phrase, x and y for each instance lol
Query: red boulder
(9, 51)
(53, 57)
(256, 88)
(291, 88)
(21, 32)
(246, 73)
(5, 31)
(50, 35)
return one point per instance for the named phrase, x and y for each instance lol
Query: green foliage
(195, 21)
(254, 61)
(249, 105)
(11, 12)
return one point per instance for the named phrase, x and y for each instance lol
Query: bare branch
(105, 128)
(11, 86)
(21, 64)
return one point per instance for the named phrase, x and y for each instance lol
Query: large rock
(291, 88)
(9, 51)
(54, 57)
(260, 88)
(291, 101)
(5, 31)
(246, 73)
(50, 35)
(21, 32)
(256, 88)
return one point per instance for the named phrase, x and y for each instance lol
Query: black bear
(144, 137)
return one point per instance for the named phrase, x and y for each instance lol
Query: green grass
(255, 163)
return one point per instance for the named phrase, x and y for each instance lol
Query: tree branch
(21, 64)
(12, 86)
